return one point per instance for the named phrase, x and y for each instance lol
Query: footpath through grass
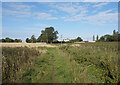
(52, 66)
(55, 67)
(64, 64)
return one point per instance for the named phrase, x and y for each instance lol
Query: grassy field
(84, 63)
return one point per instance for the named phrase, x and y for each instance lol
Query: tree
(114, 32)
(79, 39)
(97, 38)
(28, 40)
(48, 35)
(9, 40)
(108, 38)
(33, 39)
(3, 40)
(93, 38)
(17, 40)
(102, 38)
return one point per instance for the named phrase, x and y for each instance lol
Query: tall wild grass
(13, 59)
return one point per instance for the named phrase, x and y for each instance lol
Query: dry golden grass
(26, 44)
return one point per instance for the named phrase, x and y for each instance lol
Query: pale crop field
(25, 44)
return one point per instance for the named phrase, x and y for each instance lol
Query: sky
(60, 0)
(71, 19)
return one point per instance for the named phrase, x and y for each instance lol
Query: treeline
(49, 35)
(110, 38)
(10, 40)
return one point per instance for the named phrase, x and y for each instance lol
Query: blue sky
(70, 19)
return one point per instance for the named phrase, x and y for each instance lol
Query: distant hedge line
(10, 40)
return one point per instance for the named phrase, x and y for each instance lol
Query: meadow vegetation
(86, 63)
(14, 59)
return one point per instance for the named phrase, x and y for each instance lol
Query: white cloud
(69, 7)
(42, 25)
(75, 12)
(33, 29)
(100, 5)
(17, 13)
(75, 18)
(102, 18)
(44, 16)
(21, 6)
(53, 11)
(18, 9)
(24, 10)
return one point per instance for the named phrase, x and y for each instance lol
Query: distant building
(92, 41)
(83, 42)
(66, 40)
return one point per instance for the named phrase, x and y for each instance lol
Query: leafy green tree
(48, 35)
(2, 40)
(102, 38)
(17, 40)
(33, 39)
(9, 40)
(28, 40)
(108, 38)
(97, 38)
(79, 39)
(93, 38)
(114, 32)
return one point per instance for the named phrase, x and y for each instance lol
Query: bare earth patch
(26, 44)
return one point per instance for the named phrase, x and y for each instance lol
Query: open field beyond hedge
(26, 44)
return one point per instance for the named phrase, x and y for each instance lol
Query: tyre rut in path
(54, 70)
